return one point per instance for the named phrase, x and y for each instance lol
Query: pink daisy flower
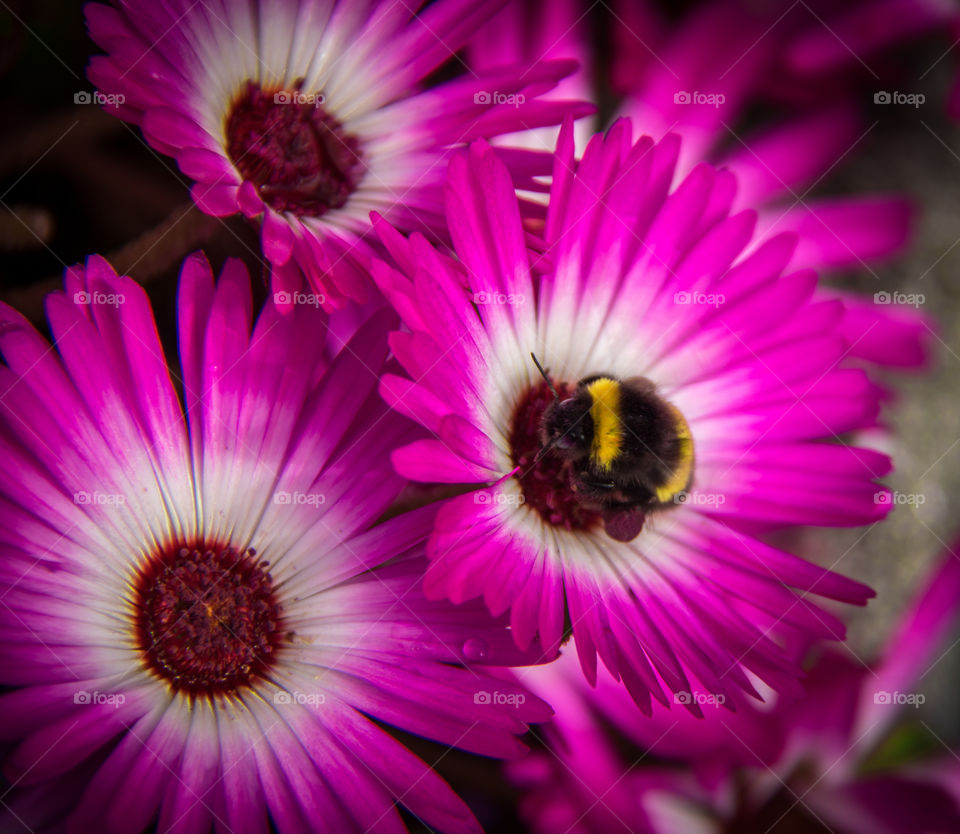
(848, 41)
(309, 115)
(839, 759)
(699, 77)
(201, 625)
(851, 41)
(742, 381)
(709, 69)
(712, 67)
(530, 31)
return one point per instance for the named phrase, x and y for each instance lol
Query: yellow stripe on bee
(607, 426)
(680, 480)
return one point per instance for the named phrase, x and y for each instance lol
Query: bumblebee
(628, 451)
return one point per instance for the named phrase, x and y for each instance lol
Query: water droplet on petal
(476, 649)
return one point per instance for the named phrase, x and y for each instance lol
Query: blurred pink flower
(828, 760)
(309, 115)
(700, 77)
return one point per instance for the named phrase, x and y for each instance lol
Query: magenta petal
(217, 200)
(76, 735)
(888, 333)
(916, 644)
(844, 232)
(277, 238)
(249, 200)
(467, 441)
(175, 129)
(432, 460)
(413, 400)
(207, 166)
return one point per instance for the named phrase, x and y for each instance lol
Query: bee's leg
(623, 523)
(582, 484)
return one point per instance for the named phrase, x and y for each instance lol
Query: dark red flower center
(207, 618)
(547, 484)
(294, 151)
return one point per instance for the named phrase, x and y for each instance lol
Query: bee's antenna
(543, 373)
(546, 448)
(556, 396)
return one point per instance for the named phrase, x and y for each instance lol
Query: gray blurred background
(915, 151)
